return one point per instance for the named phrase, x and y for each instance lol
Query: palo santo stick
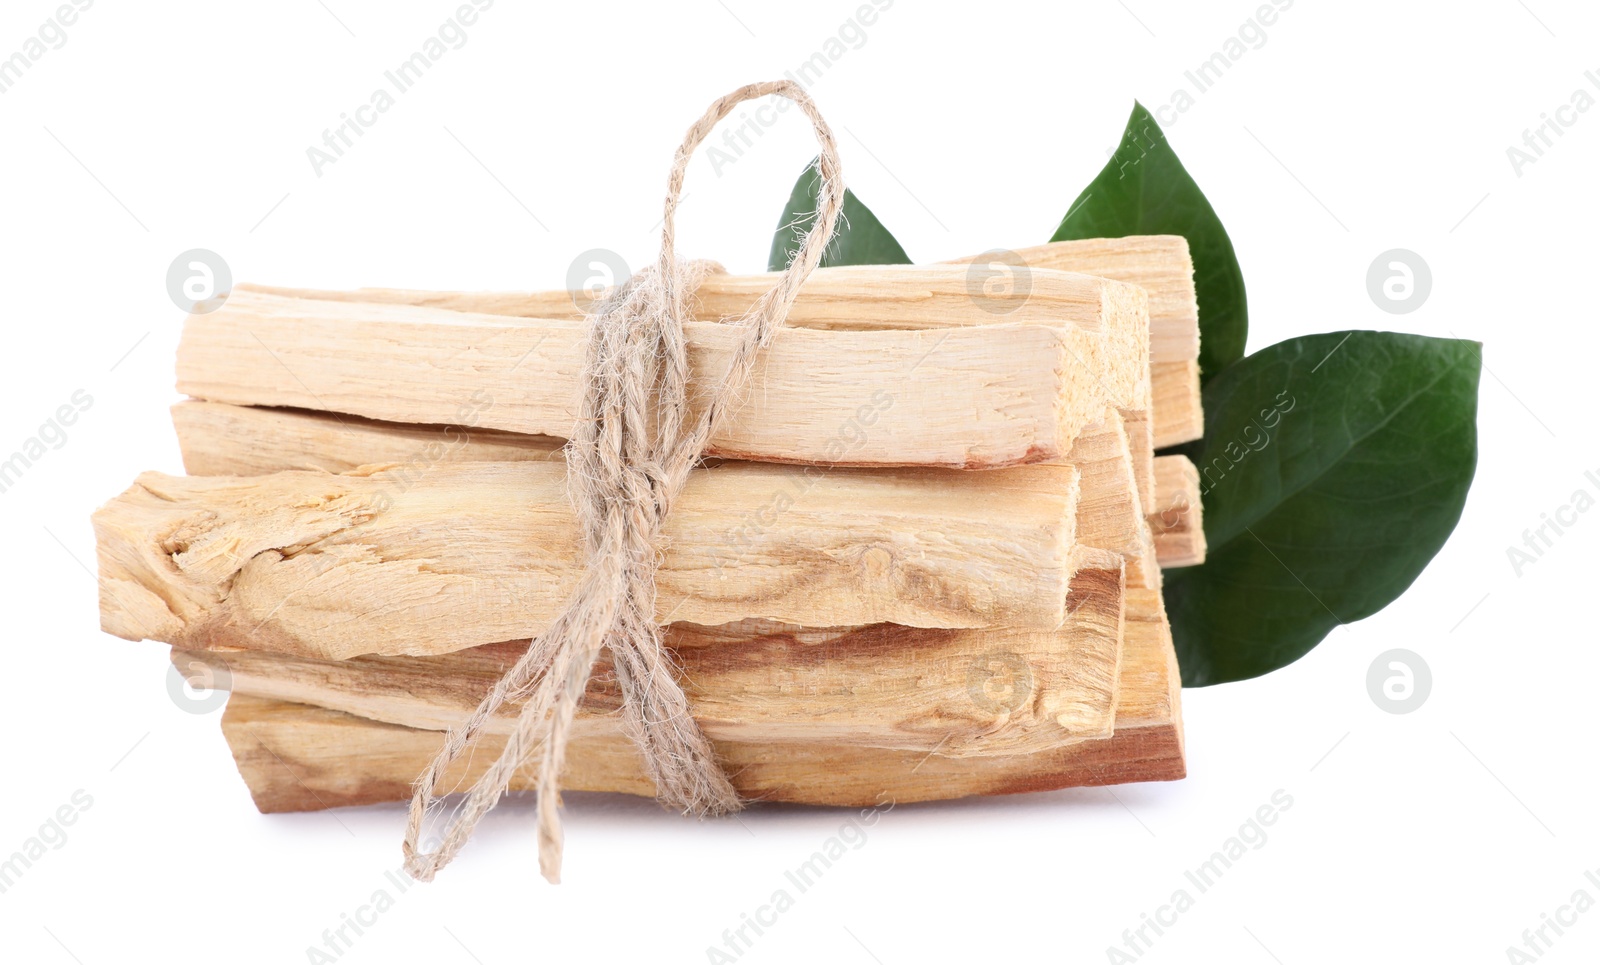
(1175, 403)
(395, 561)
(220, 439)
(1160, 264)
(1176, 523)
(1064, 285)
(1142, 452)
(295, 757)
(1141, 449)
(844, 298)
(962, 692)
(969, 397)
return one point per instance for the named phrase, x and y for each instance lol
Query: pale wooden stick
(1176, 523)
(1175, 403)
(962, 692)
(295, 757)
(1160, 264)
(1141, 450)
(220, 439)
(845, 298)
(970, 396)
(1063, 285)
(396, 560)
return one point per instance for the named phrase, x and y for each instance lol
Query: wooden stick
(1141, 450)
(1175, 403)
(844, 298)
(971, 396)
(1160, 264)
(1062, 285)
(294, 757)
(1179, 536)
(963, 692)
(220, 439)
(396, 560)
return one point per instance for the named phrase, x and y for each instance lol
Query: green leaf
(1332, 469)
(1144, 190)
(859, 239)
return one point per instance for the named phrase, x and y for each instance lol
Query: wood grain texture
(963, 692)
(1141, 450)
(393, 560)
(295, 757)
(987, 394)
(1163, 267)
(217, 439)
(220, 439)
(1110, 511)
(1176, 523)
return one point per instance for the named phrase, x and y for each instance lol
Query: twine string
(638, 435)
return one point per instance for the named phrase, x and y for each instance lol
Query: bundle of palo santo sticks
(922, 561)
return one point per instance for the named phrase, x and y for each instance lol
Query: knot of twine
(636, 440)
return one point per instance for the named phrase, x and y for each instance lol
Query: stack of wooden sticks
(923, 559)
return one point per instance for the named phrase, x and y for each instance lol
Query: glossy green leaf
(859, 239)
(1144, 190)
(1332, 469)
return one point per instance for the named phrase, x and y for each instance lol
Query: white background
(1357, 127)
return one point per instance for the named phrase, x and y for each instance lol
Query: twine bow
(635, 443)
